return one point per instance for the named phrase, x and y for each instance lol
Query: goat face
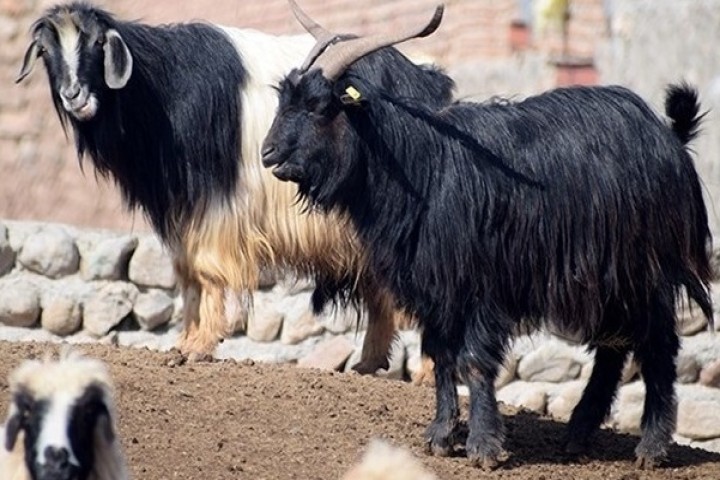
(311, 141)
(302, 143)
(60, 431)
(82, 56)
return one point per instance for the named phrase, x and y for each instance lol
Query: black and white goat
(578, 208)
(383, 461)
(61, 422)
(176, 115)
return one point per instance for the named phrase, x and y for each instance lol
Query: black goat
(578, 208)
(175, 115)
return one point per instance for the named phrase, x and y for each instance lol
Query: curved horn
(314, 28)
(334, 61)
(322, 36)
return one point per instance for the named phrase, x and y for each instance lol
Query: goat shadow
(535, 440)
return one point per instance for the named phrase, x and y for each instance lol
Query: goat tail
(683, 108)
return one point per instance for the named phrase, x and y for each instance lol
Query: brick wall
(471, 28)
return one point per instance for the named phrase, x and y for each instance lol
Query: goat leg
(441, 433)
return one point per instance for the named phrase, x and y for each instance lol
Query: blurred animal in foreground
(61, 422)
(383, 461)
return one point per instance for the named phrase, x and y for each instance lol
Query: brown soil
(232, 420)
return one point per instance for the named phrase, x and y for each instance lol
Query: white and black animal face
(60, 431)
(82, 56)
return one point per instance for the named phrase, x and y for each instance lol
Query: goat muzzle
(289, 172)
(57, 465)
(269, 156)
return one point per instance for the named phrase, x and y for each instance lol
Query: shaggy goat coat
(578, 208)
(182, 141)
(529, 210)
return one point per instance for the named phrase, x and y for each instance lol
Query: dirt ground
(231, 420)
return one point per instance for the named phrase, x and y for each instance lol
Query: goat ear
(12, 429)
(118, 61)
(31, 55)
(105, 425)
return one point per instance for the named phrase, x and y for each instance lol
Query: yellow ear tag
(351, 96)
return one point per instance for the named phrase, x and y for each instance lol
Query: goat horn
(343, 52)
(323, 37)
(308, 23)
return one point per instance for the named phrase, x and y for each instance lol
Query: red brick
(576, 75)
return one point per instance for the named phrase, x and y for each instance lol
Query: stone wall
(66, 280)
(59, 283)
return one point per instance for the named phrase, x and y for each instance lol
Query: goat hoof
(369, 367)
(425, 375)
(441, 438)
(643, 462)
(649, 454)
(648, 461)
(488, 461)
(439, 448)
(176, 358)
(485, 451)
(423, 378)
